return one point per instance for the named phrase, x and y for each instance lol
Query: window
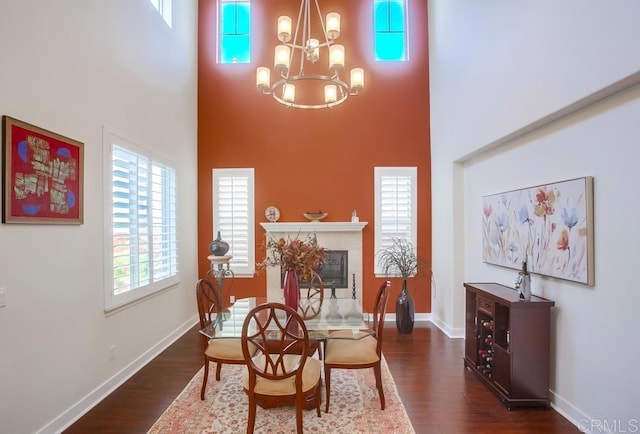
(233, 216)
(143, 257)
(164, 8)
(390, 30)
(396, 206)
(234, 27)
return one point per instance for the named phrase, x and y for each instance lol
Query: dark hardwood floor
(439, 394)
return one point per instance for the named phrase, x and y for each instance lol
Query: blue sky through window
(235, 31)
(390, 30)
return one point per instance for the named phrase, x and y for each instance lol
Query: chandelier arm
(302, 47)
(301, 13)
(310, 106)
(274, 90)
(335, 79)
(307, 26)
(292, 78)
(327, 42)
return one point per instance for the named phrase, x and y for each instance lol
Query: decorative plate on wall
(272, 214)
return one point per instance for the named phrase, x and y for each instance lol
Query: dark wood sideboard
(507, 343)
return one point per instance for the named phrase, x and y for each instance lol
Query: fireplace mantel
(303, 227)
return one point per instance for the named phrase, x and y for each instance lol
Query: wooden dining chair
(361, 353)
(310, 306)
(219, 351)
(280, 373)
(311, 297)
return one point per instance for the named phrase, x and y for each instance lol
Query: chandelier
(314, 90)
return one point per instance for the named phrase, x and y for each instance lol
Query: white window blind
(233, 216)
(395, 206)
(164, 241)
(143, 232)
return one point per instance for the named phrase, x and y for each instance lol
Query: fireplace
(343, 241)
(335, 270)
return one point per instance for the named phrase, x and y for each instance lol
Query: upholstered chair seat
(287, 386)
(228, 349)
(350, 352)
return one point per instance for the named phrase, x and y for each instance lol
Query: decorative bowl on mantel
(315, 216)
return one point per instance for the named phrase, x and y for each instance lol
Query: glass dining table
(322, 317)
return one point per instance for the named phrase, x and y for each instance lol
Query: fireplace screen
(334, 272)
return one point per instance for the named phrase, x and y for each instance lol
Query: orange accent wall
(316, 159)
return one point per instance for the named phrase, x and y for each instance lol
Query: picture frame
(550, 225)
(42, 172)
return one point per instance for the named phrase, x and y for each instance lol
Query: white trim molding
(314, 227)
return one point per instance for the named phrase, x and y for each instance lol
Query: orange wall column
(316, 159)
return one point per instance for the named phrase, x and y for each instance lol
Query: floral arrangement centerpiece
(294, 254)
(297, 259)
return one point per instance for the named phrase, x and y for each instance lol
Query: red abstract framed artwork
(43, 173)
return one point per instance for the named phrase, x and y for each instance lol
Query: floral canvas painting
(550, 226)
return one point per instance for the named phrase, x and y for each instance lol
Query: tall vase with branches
(401, 259)
(297, 258)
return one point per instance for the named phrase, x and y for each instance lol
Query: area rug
(355, 407)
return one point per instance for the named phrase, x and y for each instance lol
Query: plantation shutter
(131, 225)
(143, 221)
(396, 206)
(234, 217)
(165, 251)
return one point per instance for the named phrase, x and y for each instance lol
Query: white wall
(71, 67)
(516, 101)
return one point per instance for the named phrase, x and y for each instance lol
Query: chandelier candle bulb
(282, 54)
(333, 25)
(336, 57)
(289, 92)
(330, 93)
(284, 28)
(263, 78)
(357, 79)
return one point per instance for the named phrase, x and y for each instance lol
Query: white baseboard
(391, 317)
(453, 333)
(450, 332)
(81, 407)
(571, 413)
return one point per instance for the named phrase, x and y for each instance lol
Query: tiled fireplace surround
(331, 236)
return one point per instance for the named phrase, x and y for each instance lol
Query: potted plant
(401, 259)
